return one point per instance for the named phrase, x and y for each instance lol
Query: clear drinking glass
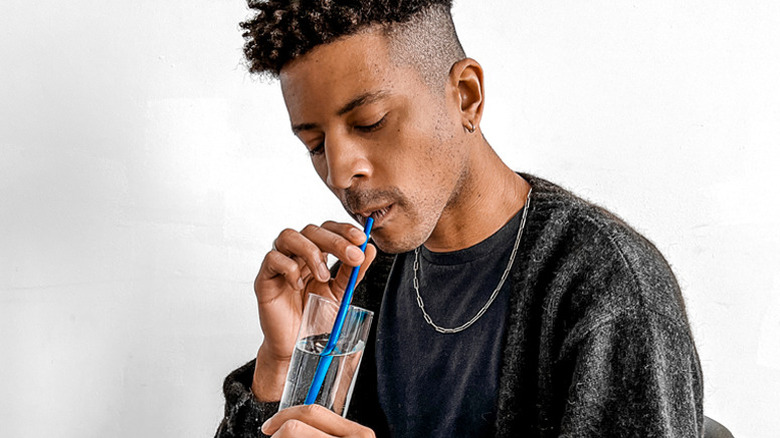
(336, 391)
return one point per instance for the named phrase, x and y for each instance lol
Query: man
(506, 305)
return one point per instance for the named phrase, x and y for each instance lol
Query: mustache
(357, 200)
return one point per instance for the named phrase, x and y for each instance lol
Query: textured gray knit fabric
(597, 345)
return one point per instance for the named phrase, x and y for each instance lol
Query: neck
(486, 199)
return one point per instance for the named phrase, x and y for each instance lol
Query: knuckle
(290, 268)
(278, 263)
(311, 228)
(340, 244)
(313, 254)
(276, 258)
(289, 427)
(311, 409)
(287, 233)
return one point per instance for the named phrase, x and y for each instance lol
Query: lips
(377, 213)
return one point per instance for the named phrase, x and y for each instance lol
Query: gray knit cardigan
(598, 342)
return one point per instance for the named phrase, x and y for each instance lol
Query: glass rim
(352, 308)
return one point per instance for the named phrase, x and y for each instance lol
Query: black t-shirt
(443, 385)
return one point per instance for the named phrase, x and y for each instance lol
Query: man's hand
(295, 267)
(313, 421)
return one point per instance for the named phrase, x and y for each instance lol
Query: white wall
(143, 175)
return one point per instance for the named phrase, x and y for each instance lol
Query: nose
(347, 162)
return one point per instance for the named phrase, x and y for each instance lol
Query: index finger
(354, 234)
(338, 240)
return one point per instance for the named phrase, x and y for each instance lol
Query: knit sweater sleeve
(244, 414)
(630, 354)
(633, 377)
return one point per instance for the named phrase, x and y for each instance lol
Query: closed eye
(317, 150)
(373, 127)
(320, 148)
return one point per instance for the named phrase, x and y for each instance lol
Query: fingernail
(324, 273)
(300, 283)
(264, 425)
(354, 253)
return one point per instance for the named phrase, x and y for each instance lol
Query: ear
(466, 76)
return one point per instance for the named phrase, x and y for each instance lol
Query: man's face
(382, 140)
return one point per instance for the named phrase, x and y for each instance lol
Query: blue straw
(326, 356)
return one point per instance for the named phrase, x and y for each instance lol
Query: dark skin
(387, 145)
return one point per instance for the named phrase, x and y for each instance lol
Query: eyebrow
(363, 99)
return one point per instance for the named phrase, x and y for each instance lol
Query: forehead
(334, 73)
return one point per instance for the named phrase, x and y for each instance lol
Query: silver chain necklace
(493, 296)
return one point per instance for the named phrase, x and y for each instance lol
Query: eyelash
(372, 127)
(320, 148)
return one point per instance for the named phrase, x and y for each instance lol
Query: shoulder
(559, 213)
(595, 262)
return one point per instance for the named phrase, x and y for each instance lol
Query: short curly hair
(283, 30)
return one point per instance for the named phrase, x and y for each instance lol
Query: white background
(144, 174)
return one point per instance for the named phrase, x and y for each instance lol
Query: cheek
(321, 167)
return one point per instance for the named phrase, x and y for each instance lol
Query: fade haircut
(420, 33)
